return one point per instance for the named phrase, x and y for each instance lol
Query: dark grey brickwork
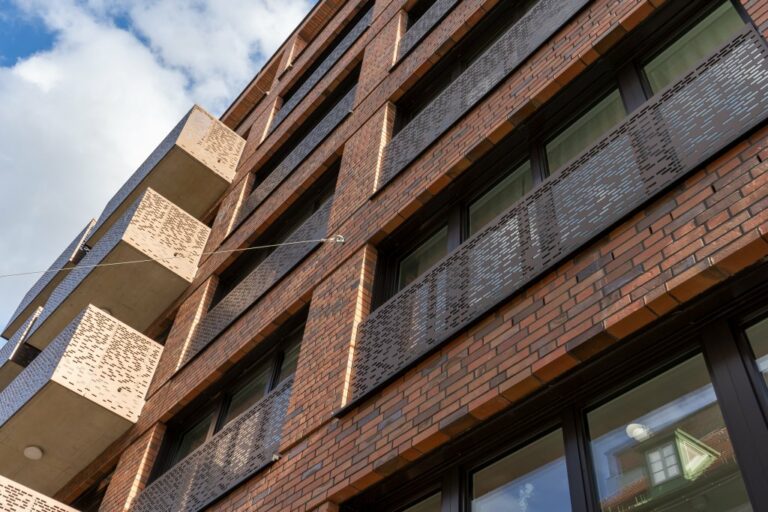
(496, 63)
(424, 26)
(295, 157)
(240, 449)
(672, 134)
(258, 282)
(66, 257)
(318, 74)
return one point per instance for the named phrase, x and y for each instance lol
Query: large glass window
(532, 479)
(193, 437)
(431, 504)
(586, 130)
(663, 446)
(686, 52)
(422, 258)
(501, 197)
(758, 338)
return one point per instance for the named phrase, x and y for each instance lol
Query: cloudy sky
(89, 87)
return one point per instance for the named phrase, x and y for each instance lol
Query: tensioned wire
(334, 239)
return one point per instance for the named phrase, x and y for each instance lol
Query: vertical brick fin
(323, 69)
(243, 447)
(677, 130)
(424, 26)
(17, 498)
(519, 42)
(65, 259)
(262, 279)
(324, 128)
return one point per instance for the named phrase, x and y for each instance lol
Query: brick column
(338, 305)
(187, 318)
(380, 55)
(758, 11)
(361, 164)
(227, 215)
(133, 470)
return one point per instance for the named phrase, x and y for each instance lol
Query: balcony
(17, 498)
(15, 355)
(168, 240)
(672, 134)
(41, 290)
(431, 18)
(192, 167)
(260, 281)
(243, 447)
(78, 396)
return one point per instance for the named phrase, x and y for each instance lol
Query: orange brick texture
(702, 231)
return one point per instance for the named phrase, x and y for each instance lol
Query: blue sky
(89, 87)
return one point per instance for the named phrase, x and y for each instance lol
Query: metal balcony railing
(15, 497)
(15, 355)
(312, 80)
(514, 46)
(260, 281)
(78, 396)
(244, 446)
(676, 131)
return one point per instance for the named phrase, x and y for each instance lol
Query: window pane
(533, 479)
(664, 446)
(426, 255)
(510, 190)
(291, 356)
(693, 46)
(431, 504)
(193, 438)
(758, 338)
(250, 393)
(585, 130)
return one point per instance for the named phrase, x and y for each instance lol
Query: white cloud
(76, 121)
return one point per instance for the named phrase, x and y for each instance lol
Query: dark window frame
(621, 70)
(729, 309)
(282, 228)
(217, 399)
(416, 11)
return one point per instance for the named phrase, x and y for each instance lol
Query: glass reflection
(758, 338)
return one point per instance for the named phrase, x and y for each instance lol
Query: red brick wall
(699, 233)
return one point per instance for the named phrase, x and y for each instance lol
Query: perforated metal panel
(15, 497)
(495, 64)
(360, 27)
(302, 151)
(258, 282)
(424, 25)
(673, 133)
(240, 449)
(65, 259)
(15, 351)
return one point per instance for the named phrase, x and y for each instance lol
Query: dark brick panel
(424, 26)
(318, 74)
(671, 135)
(302, 151)
(494, 65)
(243, 447)
(258, 282)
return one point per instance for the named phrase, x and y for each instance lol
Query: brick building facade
(522, 266)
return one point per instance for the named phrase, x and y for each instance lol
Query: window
(320, 59)
(90, 500)
(249, 383)
(455, 62)
(565, 128)
(532, 479)
(431, 504)
(249, 260)
(664, 444)
(758, 339)
(418, 10)
(698, 42)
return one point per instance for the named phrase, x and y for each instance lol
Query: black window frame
(217, 399)
(457, 60)
(729, 309)
(248, 260)
(621, 69)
